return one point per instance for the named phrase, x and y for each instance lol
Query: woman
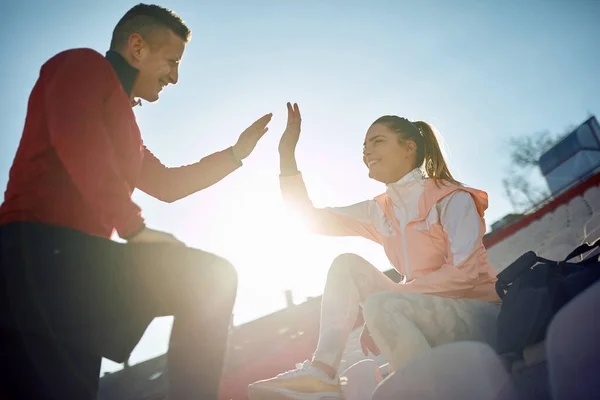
(431, 228)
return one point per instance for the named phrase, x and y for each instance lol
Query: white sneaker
(302, 383)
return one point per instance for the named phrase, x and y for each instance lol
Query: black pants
(67, 299)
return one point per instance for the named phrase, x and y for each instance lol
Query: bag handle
(584, 248)
(517, 267)
(529, 259)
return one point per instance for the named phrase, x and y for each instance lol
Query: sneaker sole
(266, 393)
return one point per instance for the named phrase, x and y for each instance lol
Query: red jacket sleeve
(171, 184)
(77, 84)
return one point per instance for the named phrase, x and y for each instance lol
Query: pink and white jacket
(431, 233)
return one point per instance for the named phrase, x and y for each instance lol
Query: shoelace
(299, 368)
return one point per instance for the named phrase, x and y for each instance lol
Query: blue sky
(480, 71)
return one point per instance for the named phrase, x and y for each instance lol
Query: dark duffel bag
(533, 289)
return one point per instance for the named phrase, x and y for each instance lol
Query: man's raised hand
(248, 139)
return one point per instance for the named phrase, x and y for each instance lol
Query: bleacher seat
(579, 209)
(555, 234)
(592, 195)
(591, 225)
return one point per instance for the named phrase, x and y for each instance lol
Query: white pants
(402, 324)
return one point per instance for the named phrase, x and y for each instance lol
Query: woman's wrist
(287, 164)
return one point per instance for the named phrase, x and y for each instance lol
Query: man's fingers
(258, 135)
(261, 134)
(297, 111)
(258, 127)
(260, 123)
(264, 120)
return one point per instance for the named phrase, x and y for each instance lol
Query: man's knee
(205, 274)
(226, 274)
(344, 264)
(221, 273)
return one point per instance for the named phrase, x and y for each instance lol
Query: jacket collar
(126, 73)
(407, 189)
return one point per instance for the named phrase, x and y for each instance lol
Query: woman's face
(388, 160)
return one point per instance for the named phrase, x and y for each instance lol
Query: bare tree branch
(520, 186)
(525, 151)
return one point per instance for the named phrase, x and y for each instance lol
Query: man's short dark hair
(144, 19)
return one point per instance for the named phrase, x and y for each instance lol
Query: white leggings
(402, 324)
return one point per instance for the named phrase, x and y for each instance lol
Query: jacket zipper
(403, 234)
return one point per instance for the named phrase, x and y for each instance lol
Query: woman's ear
(410, 146)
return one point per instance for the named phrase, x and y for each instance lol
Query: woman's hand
(367, 343)
(289, 139)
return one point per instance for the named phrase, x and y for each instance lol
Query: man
(68, 294)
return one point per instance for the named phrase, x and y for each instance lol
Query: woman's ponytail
(433, 158)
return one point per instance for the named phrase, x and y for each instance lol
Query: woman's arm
(353, 220)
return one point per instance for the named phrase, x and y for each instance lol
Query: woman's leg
(350, 281)
(406, 324)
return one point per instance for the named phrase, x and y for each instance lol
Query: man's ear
(136, 46)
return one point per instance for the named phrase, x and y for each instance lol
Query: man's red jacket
(81, 154)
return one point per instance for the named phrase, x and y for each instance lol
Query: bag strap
(514, 270)
(584, 248)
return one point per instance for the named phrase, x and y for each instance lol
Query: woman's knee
(345, 264)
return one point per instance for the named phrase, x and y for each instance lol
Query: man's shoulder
(78, 59)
